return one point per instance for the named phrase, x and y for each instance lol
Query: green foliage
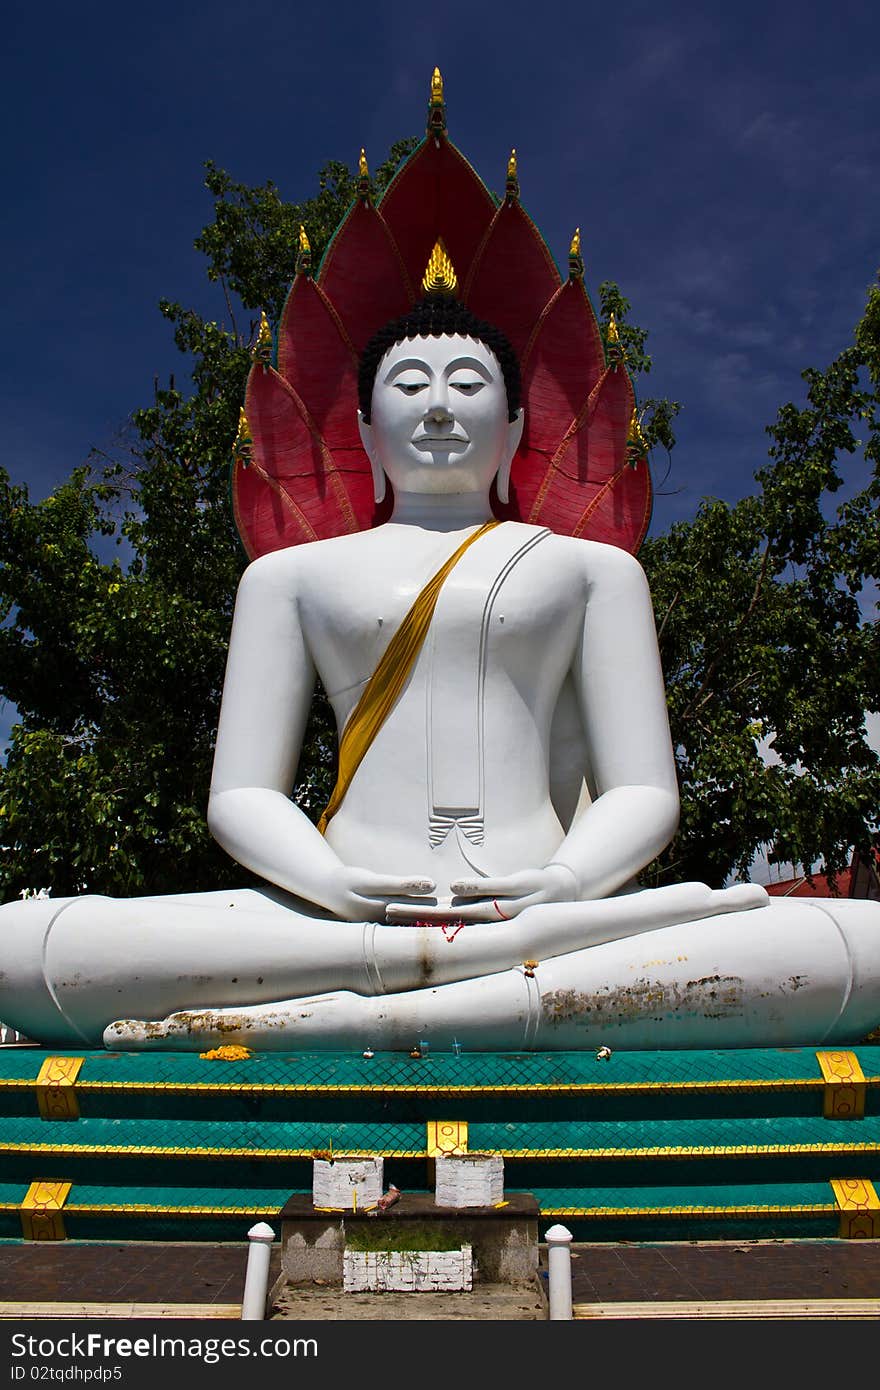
(408, 1236)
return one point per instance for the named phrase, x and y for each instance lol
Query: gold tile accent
(844, 1086)
(447, 1137)
(859, 1208)
(41, 1217)
(56, 1083)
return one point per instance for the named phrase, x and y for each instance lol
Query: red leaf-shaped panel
(362, 275)
(619, 512)
(620, 508)
(513, 276)
(294, 490)
(437, 195)
(561, 366)
(316, 357)
(588, 486)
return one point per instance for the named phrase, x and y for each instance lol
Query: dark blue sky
(722, 162)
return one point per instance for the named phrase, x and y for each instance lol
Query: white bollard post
(256, 1279)
(559, 1240)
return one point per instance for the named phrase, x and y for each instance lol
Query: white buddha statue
(503, 782)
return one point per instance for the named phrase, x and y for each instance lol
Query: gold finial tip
(439, 276)
(613, 332)
(363, 167)
(263, 345)
(436, 85)
(511, 165)
(303, 239)
(635, 437)
(575, 248)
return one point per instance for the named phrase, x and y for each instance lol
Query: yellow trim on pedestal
(41, 1217)
(844, 1086)
(447, 1137)
(859, 1208)
(56, 1094)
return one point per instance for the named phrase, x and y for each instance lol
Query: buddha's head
(440, 403)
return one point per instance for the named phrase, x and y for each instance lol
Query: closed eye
(467, 388)
(411, 388)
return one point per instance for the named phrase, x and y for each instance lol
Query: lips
(430, 442)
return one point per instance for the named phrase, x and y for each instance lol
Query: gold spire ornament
(263, 346)
(636, 441)
(512, 186)
(440, 278)
(304, 256)
(241, 449)
(614, 346)
(575, 259)
(437, 105)
(363, 183)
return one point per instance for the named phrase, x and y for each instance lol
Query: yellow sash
(388, 679)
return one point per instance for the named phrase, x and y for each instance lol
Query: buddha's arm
(270, 680)
(620, 686)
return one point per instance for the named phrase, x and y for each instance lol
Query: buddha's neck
(441, 512)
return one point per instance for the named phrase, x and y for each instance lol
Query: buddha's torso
(459, 773)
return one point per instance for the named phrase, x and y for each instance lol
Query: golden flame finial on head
(437, 105)
(263, 345)
(440, 277)
(512, 187)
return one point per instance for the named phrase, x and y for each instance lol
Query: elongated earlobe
(502, 477)
(380, 482)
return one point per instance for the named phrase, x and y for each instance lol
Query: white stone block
(408, 1271)
(347, 1183)
(469, 1180)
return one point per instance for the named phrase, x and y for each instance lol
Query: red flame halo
(306, 477)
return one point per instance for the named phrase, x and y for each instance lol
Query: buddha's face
(439, 420)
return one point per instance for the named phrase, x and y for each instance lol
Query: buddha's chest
(508, 613)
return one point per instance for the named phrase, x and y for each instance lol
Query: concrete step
(768, 1309)
(41, 1309)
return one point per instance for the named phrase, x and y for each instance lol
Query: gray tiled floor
(150, 1272)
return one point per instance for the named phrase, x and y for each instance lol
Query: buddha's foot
(248, 1026)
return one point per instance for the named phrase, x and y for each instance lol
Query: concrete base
(504, 1239)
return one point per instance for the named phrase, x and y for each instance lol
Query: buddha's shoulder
(593, 558)
(311, 557)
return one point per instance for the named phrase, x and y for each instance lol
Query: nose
(438, 403)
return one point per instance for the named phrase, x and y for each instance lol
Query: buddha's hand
(360, 895)
(495, 899)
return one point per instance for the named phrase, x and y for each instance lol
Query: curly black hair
(436, 317)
